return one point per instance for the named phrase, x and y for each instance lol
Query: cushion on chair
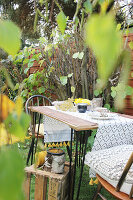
(109, 164)
(41, 129)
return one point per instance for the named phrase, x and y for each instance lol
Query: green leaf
(92, 138)
(61, 20)
(30, 64)
(17, 126)
(129, 90)
(70, 75)
(16, 87)
(26, 70)
(96, 92)
(41, 62)
(101, 1)
(72, 89)
(41, 2)
(131, 45)
(118, 27)
(75, 55)
(105, 41)
(11, 174)
(80, 56)
(107, 106)
(113, 88)
(9, 37)
(24, 93)
(41, 90)
(88, 6)
(24, 122)
(127, 32)
(63, 80)
(113, 94)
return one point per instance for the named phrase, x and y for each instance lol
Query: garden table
(117, 130)
(77, 126)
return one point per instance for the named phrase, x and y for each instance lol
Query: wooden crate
(58, 187)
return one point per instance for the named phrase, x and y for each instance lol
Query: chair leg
(30, 152)
(97, 191)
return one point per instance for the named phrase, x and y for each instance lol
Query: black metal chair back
(35, 100)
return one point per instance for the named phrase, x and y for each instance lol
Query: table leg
(75, 164)
(70, 157)
(86, 134)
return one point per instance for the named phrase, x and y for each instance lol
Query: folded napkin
(55, 131)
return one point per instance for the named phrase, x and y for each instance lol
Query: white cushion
(109, 164)
(41, 129)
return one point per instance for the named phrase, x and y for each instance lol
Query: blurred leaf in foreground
(101, 35)
(9, 37)
(17, 126)
(11, 175)
(6, 106)
(6, 138)
(19, 106)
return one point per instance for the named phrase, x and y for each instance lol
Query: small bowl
(82, 107)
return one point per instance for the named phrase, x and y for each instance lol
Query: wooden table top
(72, 121)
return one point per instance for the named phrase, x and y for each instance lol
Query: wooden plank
(33, 170)
(72, 121)
(45, 188)
(54, 192)
(39, 180)
(27, 186)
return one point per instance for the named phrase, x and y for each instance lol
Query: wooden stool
(58, 186)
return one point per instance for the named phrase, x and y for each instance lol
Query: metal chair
(36, 129)
(114, 171)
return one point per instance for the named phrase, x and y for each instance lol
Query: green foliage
(64, 79)
(11, 174)
(61, 20)
(17, 126)
(78, 55)
(88, 6)
(36, 83)
(9, 37)
(97, 92)
(102, 37)
(91, 138)
(124, 90)
(131, 45)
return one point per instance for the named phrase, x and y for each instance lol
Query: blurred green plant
(106, 43)
(13, 122)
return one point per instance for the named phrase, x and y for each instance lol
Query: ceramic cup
(82, 107)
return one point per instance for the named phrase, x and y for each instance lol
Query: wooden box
(58, 184)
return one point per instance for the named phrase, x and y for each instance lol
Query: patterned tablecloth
(111, 132)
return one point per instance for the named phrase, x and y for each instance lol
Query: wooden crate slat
(27, 186)
(33, 170)
(45, 188)
(39, 181)
(54, 192)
